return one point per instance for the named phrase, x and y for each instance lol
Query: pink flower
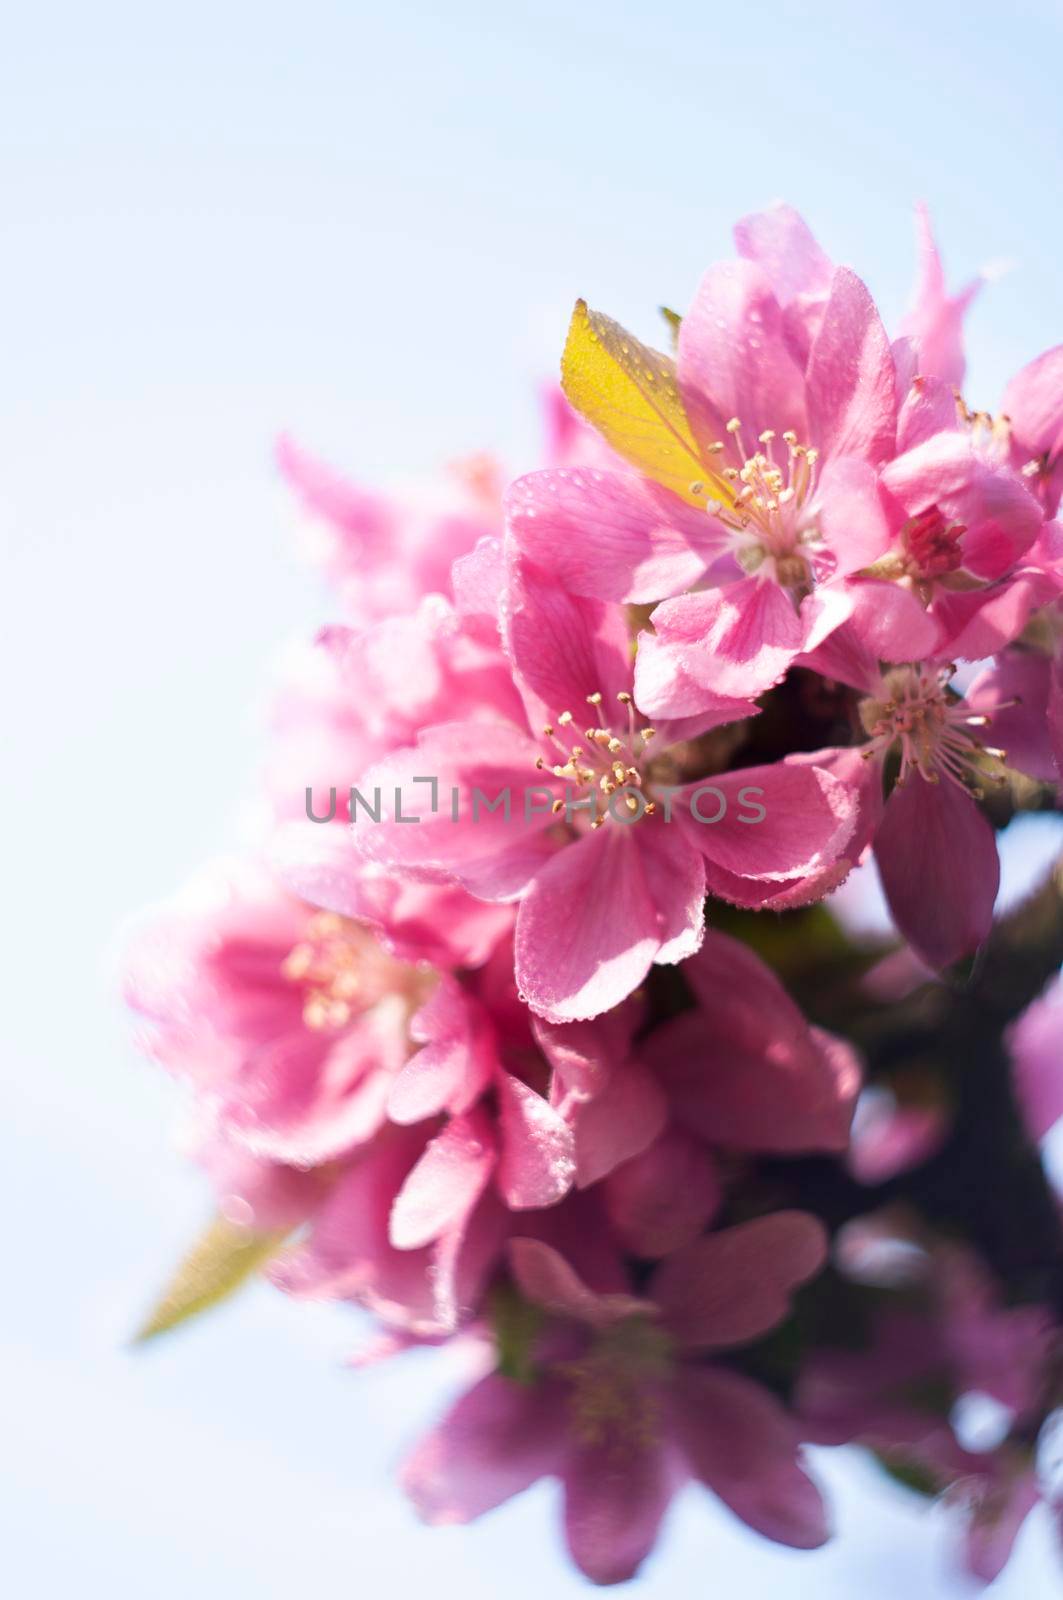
(936, 853)
(623, 1407)
(602, 897)
(289, 1024)
(758, 419)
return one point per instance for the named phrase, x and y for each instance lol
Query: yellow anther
(595, 699)
(565, 718)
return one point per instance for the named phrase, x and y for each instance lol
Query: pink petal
(855, 516)
(537, 1159)
(809, 816)
(489, 851)
(731, 1286)
(852, 403)
(664, 1198)
(456, 1063)
(976, 623)
(616, 1495)
(478, 579)
(563, 648)
(626, 1115)
(544, 1277)
(664, 689)
(610, 535)
(348, 1254)
(936, 317)
(741, 1444)
(1034, 402)
(734, 641)
(929, 407)
(496, 1441)
(464, 1257)
(675, 878)
(890, 622)
(446, 1182)
(587, 930)
(780, 241)
(937, 858)
(733, 359)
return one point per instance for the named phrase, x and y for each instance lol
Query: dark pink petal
(665, 1197)
(852, 404)
(587, 929)
(563, 648)
(937, 858)
(537, 1158)
(616, 1495)
(742, 1445)
(745, 1071)
(733, 1285)
(622, 1118)
(734, 641)
(806, 817)
(544, 1277)
(446, 1182)
(733, 359)
(611, 535)
(496, 1441)
(936, 318)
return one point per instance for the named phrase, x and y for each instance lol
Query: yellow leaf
(221, 1259)
(629, 393)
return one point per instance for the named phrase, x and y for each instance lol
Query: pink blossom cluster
(494, 1036)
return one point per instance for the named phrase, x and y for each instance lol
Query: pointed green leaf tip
(222, 1258)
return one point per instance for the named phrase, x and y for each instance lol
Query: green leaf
(222, 1258)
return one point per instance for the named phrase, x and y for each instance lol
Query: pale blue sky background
(367, 224)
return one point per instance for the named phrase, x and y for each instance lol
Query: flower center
(608, 762)
(931, 728)
(932, 545)
(767, 505)
(330, 965)
(614, 1396)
